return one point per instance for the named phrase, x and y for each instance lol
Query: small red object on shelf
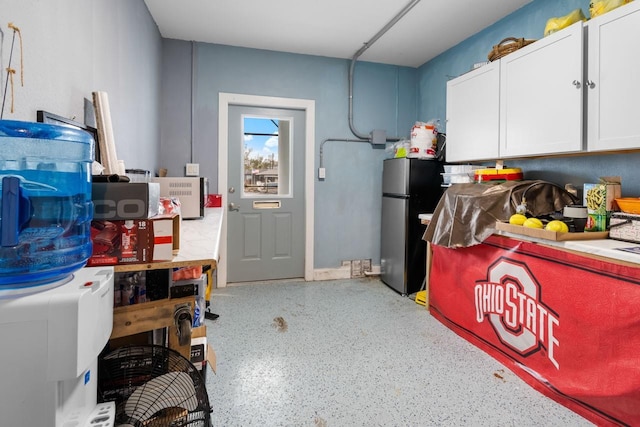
(214, 201)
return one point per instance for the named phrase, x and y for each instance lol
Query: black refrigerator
(410, 187)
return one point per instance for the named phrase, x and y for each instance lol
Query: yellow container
(497, 175)
(422, 297)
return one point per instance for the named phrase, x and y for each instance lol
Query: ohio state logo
(510, 299)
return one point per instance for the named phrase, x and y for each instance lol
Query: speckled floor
(355, 353)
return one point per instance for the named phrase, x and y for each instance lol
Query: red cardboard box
(214, 201)
(134, 241)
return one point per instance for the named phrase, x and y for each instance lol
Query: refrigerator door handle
(396, 196)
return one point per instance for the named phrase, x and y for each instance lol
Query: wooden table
(199, 246)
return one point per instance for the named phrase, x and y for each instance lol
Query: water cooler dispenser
(50, 346)
(55, 315)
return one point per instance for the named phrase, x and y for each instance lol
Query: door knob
(591, 84)
(577, 84)
(233, 207)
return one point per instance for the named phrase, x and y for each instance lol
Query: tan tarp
(467, 213)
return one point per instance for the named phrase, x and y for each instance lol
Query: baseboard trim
(320, 274)
(331, 273)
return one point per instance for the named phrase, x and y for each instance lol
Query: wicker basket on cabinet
(507, 46)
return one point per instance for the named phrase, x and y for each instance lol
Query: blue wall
(347, 203)
(528, 22)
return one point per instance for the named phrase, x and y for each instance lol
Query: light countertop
(199, 244)
(607, 248)
(200, 238)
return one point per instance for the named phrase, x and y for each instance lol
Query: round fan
(153, 386)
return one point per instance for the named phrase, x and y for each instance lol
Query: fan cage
(123, 370)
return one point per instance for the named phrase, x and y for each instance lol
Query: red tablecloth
(568, 325)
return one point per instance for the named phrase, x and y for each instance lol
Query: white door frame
(309, 107)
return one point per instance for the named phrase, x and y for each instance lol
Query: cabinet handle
(577, 84)
(591, 84)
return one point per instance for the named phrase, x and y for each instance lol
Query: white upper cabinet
(582, 79)
(541, 96)
(473, 113)
(613, 80)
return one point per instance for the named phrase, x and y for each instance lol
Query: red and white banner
(568, 325)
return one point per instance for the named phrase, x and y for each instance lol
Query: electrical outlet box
(192, 169)
(321, 173)
(378, 138)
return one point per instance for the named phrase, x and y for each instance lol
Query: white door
(541, 110)
(613, 87)
(473, 115)
(265, 196)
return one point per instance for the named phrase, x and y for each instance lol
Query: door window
(267, 157)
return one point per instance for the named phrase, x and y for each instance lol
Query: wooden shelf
(165, 264)
(134, 319)
(199, 246)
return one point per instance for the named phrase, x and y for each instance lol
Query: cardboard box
(125, 200)
(598, 198)
(134, 241)
(199, 352)
(202, 353)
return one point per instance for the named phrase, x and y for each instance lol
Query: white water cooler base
(50, 346)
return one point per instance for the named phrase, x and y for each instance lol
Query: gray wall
(347, 213)
(75, 47)
(528, 22)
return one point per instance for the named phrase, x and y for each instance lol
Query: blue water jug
(46, 207)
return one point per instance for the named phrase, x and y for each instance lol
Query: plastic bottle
(126, 292)
(47, 196)
(117, 297)
(142, 289)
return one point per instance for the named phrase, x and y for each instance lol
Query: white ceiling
(332, 28)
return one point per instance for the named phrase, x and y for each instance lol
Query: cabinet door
(613, 83)
(541, 110)
(473, 115)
